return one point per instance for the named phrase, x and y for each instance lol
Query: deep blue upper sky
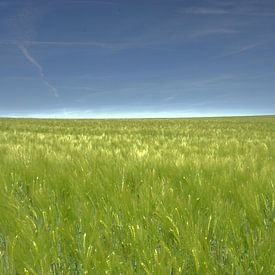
(112, 58)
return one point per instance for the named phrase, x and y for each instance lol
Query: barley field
(144, 196)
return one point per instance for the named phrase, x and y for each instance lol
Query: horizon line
(135, 118)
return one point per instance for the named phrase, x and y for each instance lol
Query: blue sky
(153, 58)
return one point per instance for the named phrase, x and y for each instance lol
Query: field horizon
(137, 118)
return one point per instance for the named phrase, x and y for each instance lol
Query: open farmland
(152, 196)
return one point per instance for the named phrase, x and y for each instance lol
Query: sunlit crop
(156, 196)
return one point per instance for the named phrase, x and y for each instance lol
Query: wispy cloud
(89, 2)
(204, 11)
(23, 28)
(249, 8)
(29, 3)
(39, 68)
(212, 31)
(57, 43)
(107, 46)
(242, 49)
(8, 3)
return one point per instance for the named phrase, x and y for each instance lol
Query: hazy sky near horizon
(115, 58)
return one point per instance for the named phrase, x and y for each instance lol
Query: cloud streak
(114, 46)
(89, 2)
(204, 11)
(243, 49)
(39, 68)
(55, 43)
(109, 47)
(213, 31)
(250, 9)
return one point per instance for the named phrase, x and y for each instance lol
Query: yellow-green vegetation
(152, 196)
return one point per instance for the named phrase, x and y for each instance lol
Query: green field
(152, 196)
